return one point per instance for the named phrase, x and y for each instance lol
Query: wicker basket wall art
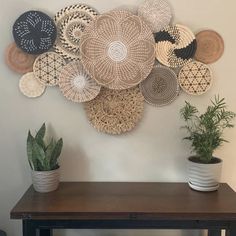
(47, 67)
(30, 86)
(114, 111)
(210, 46)
(195, 78)
(76, 85)
(118, 49)
(161, 87)
(157, 14)
(71, 22)
(175, 46)
(34, 32)
(18, 60)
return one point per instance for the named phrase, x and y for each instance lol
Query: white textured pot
(46, 181)
(204, 177)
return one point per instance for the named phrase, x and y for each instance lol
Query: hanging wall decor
(195, 78)
(76, 85)
(34, 32)
(114, 111)
(210, 46)
(175, 46)
(30, 86)
(118, 50)
(47, 68)
(157, 14)
(71, 22)
(161, 87)
(18, 60)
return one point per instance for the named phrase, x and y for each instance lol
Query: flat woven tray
(175, 46)
(71, 22)
(115, 112)
(76, 85)
(118, 49)
(195, 78)
(161, 87)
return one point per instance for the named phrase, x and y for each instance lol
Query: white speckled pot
(204, 177)
(46, 181)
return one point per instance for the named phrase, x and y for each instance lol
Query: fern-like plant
(205, 131)
(43, 156)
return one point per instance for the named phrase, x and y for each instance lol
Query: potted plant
(205, 132)
(43, 160)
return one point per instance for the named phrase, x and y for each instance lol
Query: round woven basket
(71, 22)
(175, 46)
(210, 46)
(118, 50)
(115, 112)
(76, 85)
(161, 87)
(18, 60)
(195, 78)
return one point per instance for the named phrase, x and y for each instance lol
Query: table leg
(232, 230)
(29, 228)
(45, 232)
(214, 232)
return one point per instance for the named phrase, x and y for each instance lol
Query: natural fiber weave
(17, 60)
(115, 112)
(195, 78)
(118, 50)
(30, 86)
(175, 46)
(157, 13)
(34, 32)
(76, 85)
(161, 87)
(71, 22)
(210, 46)
(47, 68)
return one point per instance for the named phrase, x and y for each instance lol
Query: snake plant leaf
(56, 153)
(30, 150)
(40, 136)
(38, 152)
(50, 149)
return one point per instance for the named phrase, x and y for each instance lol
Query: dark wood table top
(96, 200)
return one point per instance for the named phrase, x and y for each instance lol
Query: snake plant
(43, 156)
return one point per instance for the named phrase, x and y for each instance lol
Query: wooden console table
(110, 205)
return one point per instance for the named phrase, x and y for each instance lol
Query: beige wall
(153, 152)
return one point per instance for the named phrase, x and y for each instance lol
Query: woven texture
(47, 68)
(71, 22)
(17, 60)
(195, 78)
(76, 85)
(30, 86)
(115, 112)
(118, 50)
(34, 32)
(210, 46)
(157, 13)
(175, 46)
(161, 87)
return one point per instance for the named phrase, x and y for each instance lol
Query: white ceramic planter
(204, 177)
(46, 181)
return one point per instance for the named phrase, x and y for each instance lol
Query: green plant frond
(188, 111)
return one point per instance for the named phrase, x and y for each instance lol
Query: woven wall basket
(30, 86)
(157, 13)
(210, 46)
(175, 46)
(161, 87)
(76, 85)
(71, 22)
(118, 49)
(34, 32)
(195, 78)
(115, 112)
(18, 60)
(47, 68)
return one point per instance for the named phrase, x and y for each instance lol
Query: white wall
(153, 152)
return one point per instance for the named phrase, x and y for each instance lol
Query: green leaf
(56, 153)
(38, 152)
(40, 136)
(30, 140)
